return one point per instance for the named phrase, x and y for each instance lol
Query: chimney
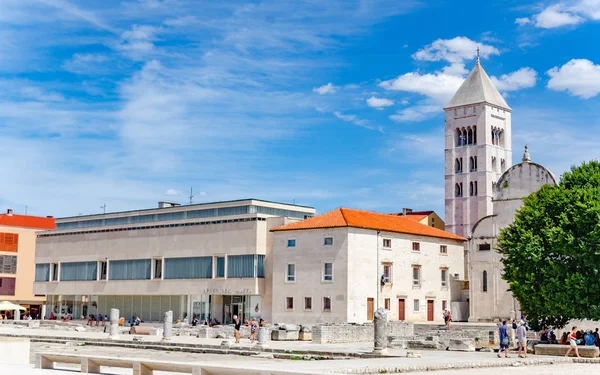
(50, 217)
(406, 211)
(9, 212)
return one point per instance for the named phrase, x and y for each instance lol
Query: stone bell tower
(477, 150)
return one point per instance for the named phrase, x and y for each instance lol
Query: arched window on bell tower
(484, 281)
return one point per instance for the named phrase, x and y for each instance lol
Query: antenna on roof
(103, 207)
(25, 209)
(477, 54)
(191, 195)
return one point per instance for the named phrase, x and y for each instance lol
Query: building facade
(17, 259)
(206, 260)
(488, 291)
(342, 265)
(429, 218)
(477, 150)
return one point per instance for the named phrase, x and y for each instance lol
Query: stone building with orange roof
(341, 266)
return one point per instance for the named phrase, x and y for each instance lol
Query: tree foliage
(551, 252)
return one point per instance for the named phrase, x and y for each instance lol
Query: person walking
(253, 326)
(573, 343)
(236, 328)
(504, 340)
(447, 318)
(522, 338)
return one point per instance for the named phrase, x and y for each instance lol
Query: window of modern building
(416, 246)
(7, 286)
(134, 269)
(158, 268)
(291, 242)
(260, 266)
(444, 273)
(289, 303)
(417, 275)
(8, 264)
(443, 249)
(220, 273)
(188, 268)
(103, 265)
(416, 305)
(245, 266)
(290, 273)
(387, 243)
(484, 281)
(327, 304)
(327, 271)
(78, 271)
(328, 241)
(484, 247)
(54, 272)
(42, 272)
(308, 303)
(9, 242)
(387, 273)
(387, 304)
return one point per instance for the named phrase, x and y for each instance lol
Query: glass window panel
(135, 269)
(220, 267)
(78, 271)
(240, 266)
(188, 268)
(42, 272)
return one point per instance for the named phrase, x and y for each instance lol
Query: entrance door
(370, 311)
(430, 310)
(401, 309)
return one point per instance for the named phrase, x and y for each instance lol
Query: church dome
(522, 179)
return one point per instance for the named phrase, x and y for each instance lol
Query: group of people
(521, 332)
(98, 318)
(253, 324)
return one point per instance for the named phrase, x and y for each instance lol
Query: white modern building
(342, 265)
(209, 260)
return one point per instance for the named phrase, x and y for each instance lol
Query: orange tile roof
(347, 217)
(26, 221)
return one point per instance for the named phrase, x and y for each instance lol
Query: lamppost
(377, 268)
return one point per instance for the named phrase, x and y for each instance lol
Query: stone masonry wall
(347, 333)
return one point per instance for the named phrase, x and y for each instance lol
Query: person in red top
(573, 342)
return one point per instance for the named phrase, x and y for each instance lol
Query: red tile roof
(347, 217)
(27, 221)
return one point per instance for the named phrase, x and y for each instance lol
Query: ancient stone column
(114, 323)
(380, 330)
(168, 325)
(262, 337)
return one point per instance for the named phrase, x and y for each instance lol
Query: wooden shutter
(9, 242)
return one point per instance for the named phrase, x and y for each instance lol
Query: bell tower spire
(477, 55)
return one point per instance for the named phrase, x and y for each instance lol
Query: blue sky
(325, 103)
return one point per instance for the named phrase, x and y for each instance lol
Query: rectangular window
(240, 266)
(416, 305)
(328, 241)
(484, 247)
(103, 269)
(289, 303)
(158, 268)
(387, 304)
(387, 273)
(443, 249)
(444, 277)
(416, 246)
(291, 243)
(9, 242)
(54, 273)
(134, 269)
(260, 266)
(327, 271)
(7, 286)
(416, 275)
(78, 271)
(220, 268)
(444, 304)
(42, 272)
(188, 268)
(326, 303)
(8, 264)
(308, 303)
(290, 273)
(387, 243)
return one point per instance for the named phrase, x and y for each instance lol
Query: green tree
(551, 252)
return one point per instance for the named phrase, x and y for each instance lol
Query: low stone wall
(348, 333)
(561, 350)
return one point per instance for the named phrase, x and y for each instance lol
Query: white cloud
(85, 63)
(454, 50)
(556, 16)
(356, 121)
(588, 8)
(417, 113)
(439, 86)
(138, 42)
(456, 69)
(326, 89)
(520, 79)
(404, 102)
(522, 21)
(579, 77)
(379, 103)
(172, 192)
